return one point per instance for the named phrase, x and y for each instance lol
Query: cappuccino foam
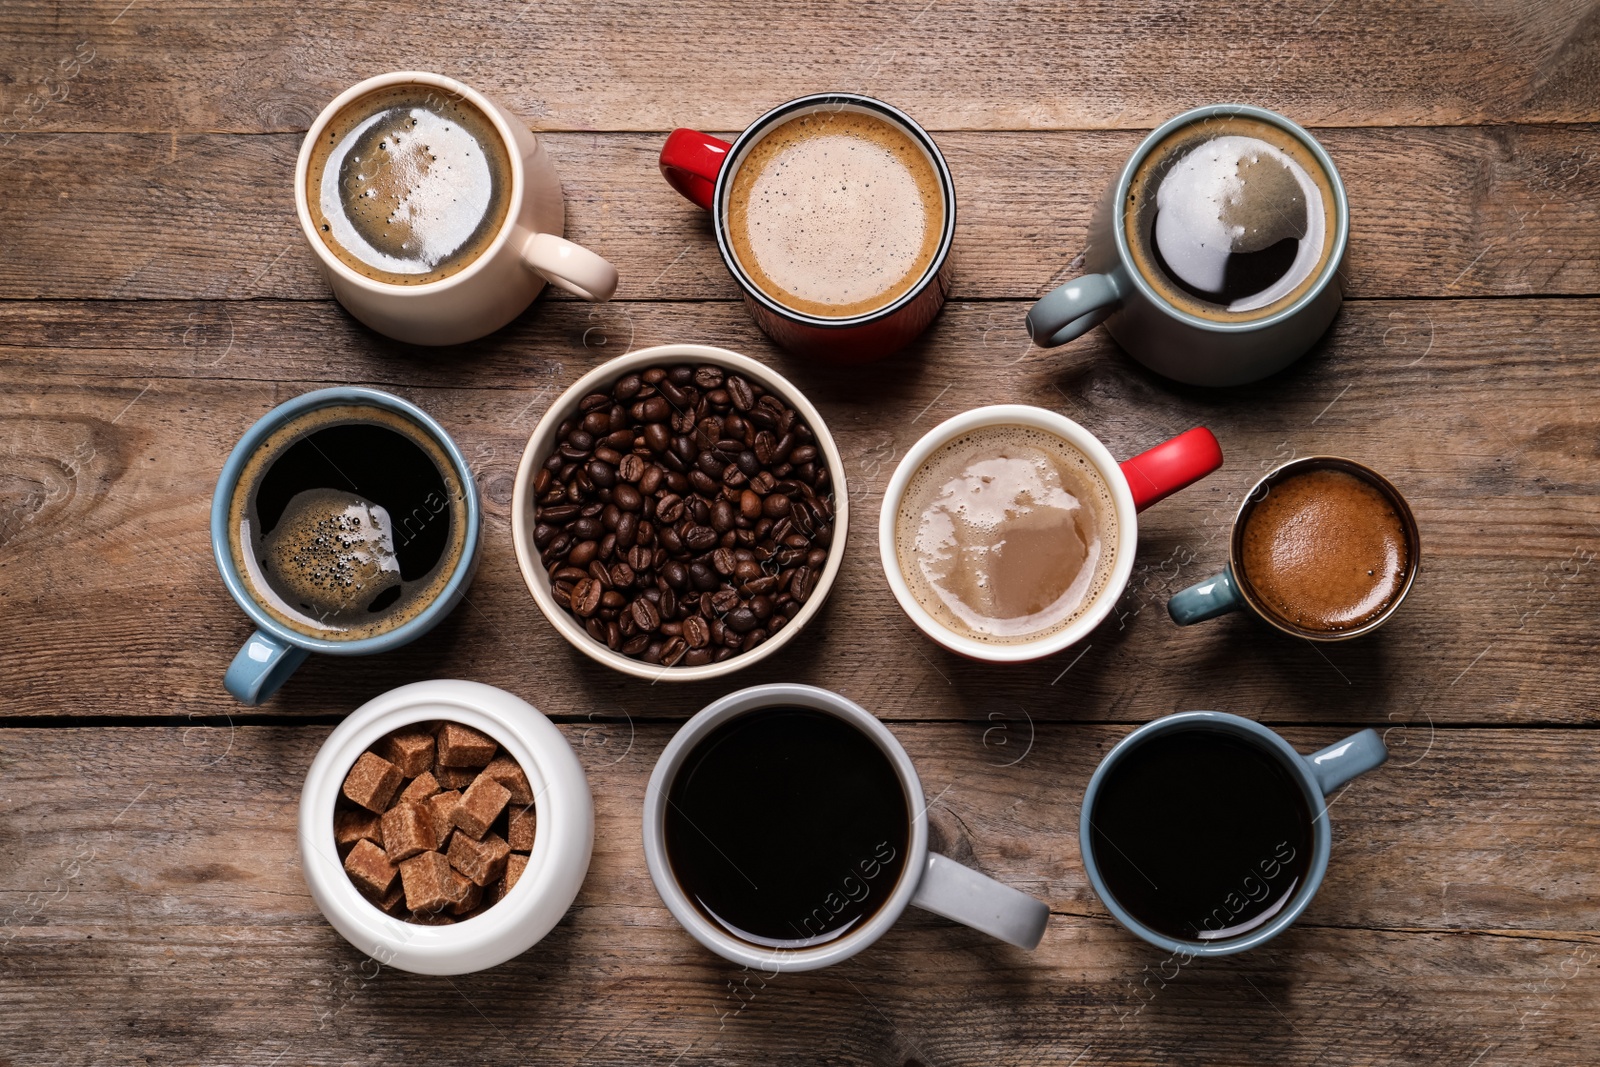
(836, 213)
(1006, 534)
(408, 184)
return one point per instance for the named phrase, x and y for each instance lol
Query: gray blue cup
(1128, 290)
(275, 650)
(1316, 776)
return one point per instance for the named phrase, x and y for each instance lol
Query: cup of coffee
(834, 213)
(345, 521)
(1322, 548)
(435, 214)
(1008, 532)
(1214, 258)
(786, 829)
(1207, 834)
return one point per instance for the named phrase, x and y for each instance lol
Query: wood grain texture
(156, 909)
(1479, 410)
(969, 64)
(1436, 213)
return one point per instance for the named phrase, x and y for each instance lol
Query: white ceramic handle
(572, 267)
(962, 894)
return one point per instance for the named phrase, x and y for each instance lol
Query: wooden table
(156, 297)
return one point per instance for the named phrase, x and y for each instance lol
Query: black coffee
(347, 522)
(787, 827)
(1230, 218)
(1201, 835)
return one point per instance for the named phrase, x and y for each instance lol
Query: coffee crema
(1006, 534)
(836, 213)
(347, 522)
(1230, 218)
(1325, 550)
(409, 184)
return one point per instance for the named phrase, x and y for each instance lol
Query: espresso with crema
(1006, 534)
(347, 522)
(409, 184)
(1325, 551)
(836, 213)
(1230, 218)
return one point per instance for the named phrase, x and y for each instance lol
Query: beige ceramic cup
(497, 286)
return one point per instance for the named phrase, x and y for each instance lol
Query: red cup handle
(690, 161)
(1171, 465)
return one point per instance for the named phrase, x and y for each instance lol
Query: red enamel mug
(703, 169)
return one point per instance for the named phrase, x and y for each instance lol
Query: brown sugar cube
(408, 830)
(462, 746)
(427, 881)
(410, 749)
(392, 902)
(351, 825)
(480, 805)
(482, 861)
(520, 832)
(467, 895)
(442, 810)
(455, 777)
(369, 868)
(421, 788)
(372, 782)
(504, 770)
(516, 863)
(431, 918)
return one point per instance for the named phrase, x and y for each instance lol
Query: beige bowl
(541, 444)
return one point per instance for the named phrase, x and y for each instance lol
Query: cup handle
(569, 266)
(1338, 763)
(1171, 465)
(978, 901)
(261, 666)
(690, 161)
(1217, 595)
(1073, 309)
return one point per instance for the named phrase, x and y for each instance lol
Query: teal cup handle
(1355, 755)
(1073, 309)
(1217, 595)
(262, 665)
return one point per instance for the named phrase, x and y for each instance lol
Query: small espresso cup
(704, 169)
(1131, 485)
(927, 879)
(1314, 776)
(1182, 340)
(276, 649)
(514, 264)
(1233, 589)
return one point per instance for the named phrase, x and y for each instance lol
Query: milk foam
(1006, 535)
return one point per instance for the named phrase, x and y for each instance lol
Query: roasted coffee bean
(683, 515)
(586, 593)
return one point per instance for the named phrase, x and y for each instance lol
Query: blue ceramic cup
(275, 650)
(1318, 775)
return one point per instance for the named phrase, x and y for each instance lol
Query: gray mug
(1318, 775)
(1166, 338)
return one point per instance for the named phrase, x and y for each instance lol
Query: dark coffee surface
(347, 522)
(787, 827)
(1230, 218)
(1325, 550)
(1201, 835)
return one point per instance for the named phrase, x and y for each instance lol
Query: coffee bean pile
(685, 515)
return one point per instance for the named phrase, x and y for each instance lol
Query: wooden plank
(1437, 212)
(954, 64)
(1478, 409)
(155, 908)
